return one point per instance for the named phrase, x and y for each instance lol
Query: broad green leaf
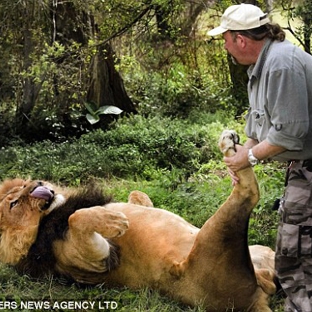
(109, 109)
(89, 107)
(92, 118)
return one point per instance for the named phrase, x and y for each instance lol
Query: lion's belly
(155, 240)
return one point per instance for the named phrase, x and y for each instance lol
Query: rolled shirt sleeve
(287, 100)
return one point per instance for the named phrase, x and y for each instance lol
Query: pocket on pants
(290, 240)
(296, 241)
(305, 241)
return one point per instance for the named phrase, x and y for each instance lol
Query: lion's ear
(140, 198)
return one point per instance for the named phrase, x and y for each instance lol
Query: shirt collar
(254, 71)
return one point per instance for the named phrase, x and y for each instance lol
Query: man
(278, 126)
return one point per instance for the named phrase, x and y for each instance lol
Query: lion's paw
(227, 141)
(116, 224)
(99, 219)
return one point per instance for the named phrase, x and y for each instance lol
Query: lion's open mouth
(45, 193)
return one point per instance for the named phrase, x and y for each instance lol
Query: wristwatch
(251, 158)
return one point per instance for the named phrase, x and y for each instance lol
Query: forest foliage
(59, 58)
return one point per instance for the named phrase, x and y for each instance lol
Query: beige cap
(240, 17)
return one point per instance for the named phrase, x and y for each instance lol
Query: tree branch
(125, 28)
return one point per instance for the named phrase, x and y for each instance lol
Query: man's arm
(250, 143)
(265, 150)
(240, 161)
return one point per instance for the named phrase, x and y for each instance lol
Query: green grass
(195, 199)
(24, 294)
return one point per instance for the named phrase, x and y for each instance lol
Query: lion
(85, 236)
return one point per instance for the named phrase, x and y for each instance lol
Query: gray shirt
(280, 97)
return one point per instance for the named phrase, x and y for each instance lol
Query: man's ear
(241, 40)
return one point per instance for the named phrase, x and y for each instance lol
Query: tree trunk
(239, 80)
(106, 85)
(307, 31)
(30, 88)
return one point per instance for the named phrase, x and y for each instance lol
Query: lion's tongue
(42, 192)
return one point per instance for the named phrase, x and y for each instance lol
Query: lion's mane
(40, 260)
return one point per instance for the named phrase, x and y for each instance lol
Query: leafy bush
(134, 147)
(180, 90)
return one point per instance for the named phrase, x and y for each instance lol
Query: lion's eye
(13, 203)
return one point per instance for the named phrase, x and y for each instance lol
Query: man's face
(236, 45)
(231, 46)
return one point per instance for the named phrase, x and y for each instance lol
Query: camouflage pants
(293, 258)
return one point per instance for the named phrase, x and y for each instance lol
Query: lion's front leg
(98, 219)
(86, 245)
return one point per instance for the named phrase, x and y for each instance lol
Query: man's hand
(239, 161)
(233, 176)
